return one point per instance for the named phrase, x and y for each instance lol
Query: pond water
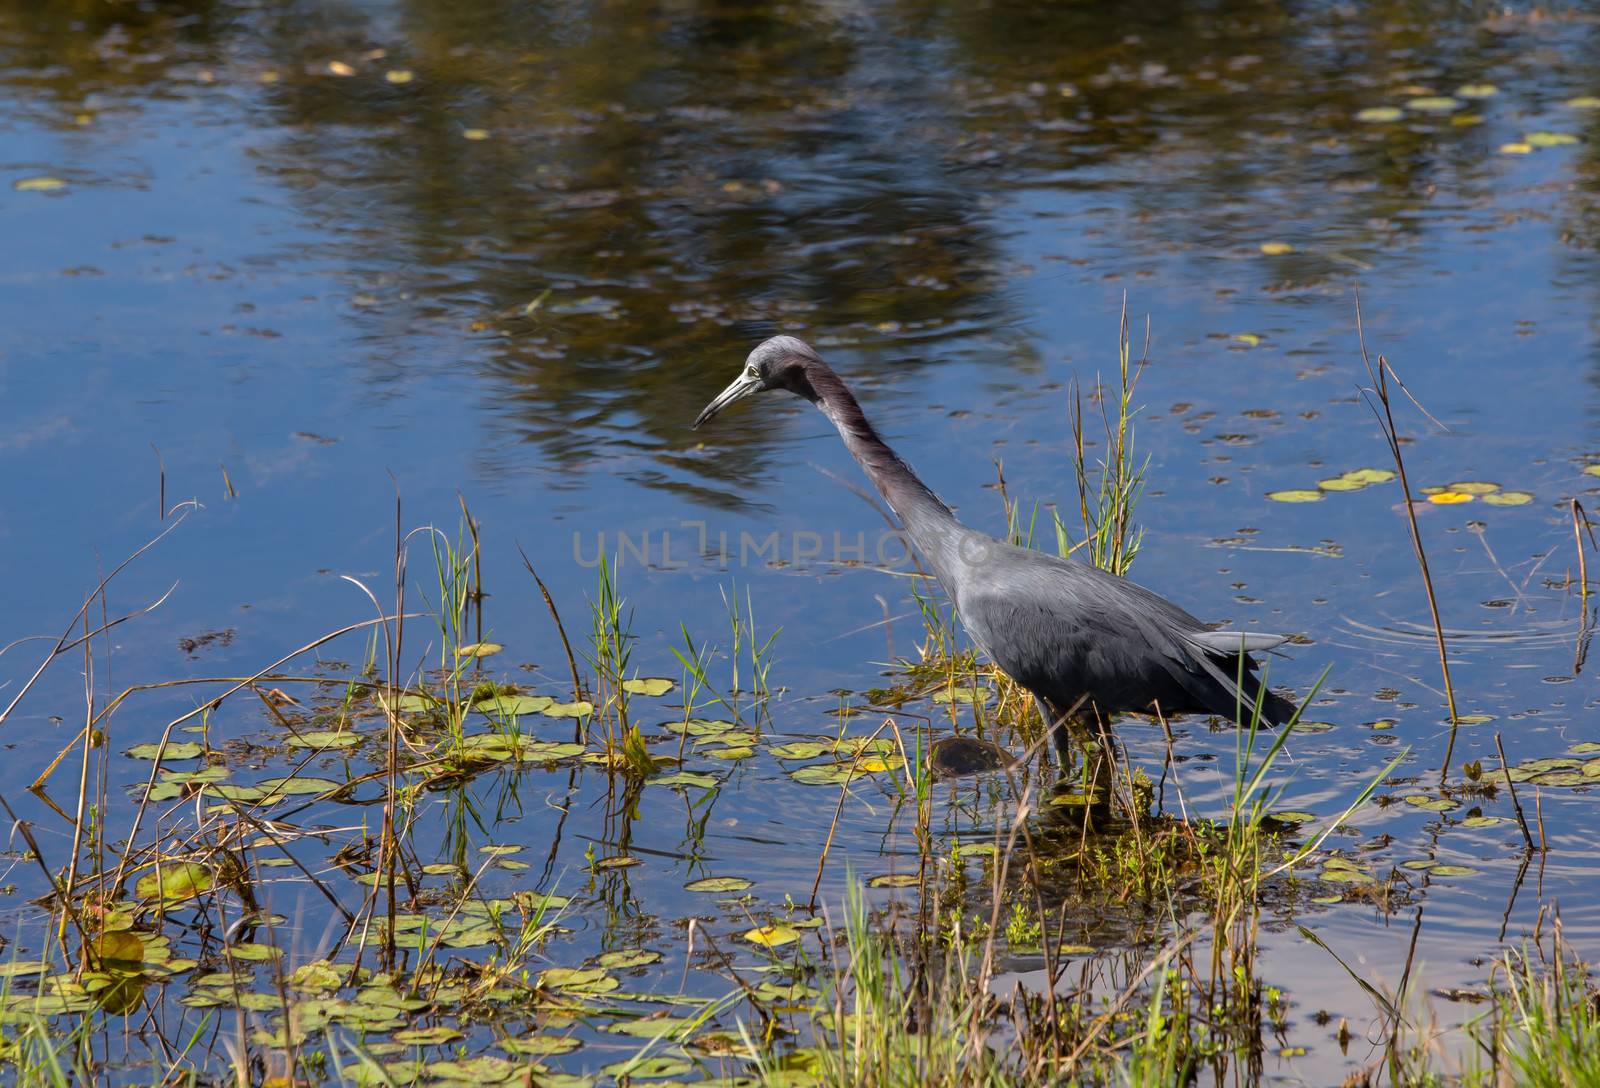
(294, 260)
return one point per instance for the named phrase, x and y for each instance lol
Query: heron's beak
(742, 387)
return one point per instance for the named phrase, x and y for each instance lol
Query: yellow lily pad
(1276, 249)
(1516, 148)
(1450, 498)
(1380, 114)
(772, 936)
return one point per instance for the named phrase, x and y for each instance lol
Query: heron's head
(779, 362)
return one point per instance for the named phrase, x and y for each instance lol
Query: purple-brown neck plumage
(928, 520)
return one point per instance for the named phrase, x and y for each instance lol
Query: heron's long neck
(926, 518)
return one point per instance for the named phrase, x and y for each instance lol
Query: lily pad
(434, 1036)
(627, 957)
(648, 1068)
(254, 952)
(718, 884)
(773, 936)
(730, 753)
(659, 1027)
(568, 710)
(175, 882)
(1357, 479)
(1550, 139)
(895, 880)
(686, 778)
(1434, 103)
(42, 183)
(479, 649)
(1508, 498)
(1452, 870)
(512, 706)
(1432, 804)
(324, 739)
(541, 1045)
(1276, 249)
(1380, 114)
(1296, 494)
(187, 749)
(650, 686)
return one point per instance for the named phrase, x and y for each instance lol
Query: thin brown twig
(1522, 820)
(572, 662)
(1380, 376)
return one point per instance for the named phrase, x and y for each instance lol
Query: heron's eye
(751, 372)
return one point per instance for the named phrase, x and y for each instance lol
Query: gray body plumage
(1076, 637)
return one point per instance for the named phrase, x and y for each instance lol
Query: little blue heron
(1073, 635)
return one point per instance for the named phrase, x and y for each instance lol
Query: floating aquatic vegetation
(1357, 479)
(1296, 494)
(39, 184)
(772, 936)
(1276, 249)
(648, 686)
(1434, 103)
(1380, 114)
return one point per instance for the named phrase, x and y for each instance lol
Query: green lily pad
(324, 738)
(1432, 804)
(187, 749)
(895, 880)
(289, 786)
(731, 753)
(542, 1045)
(1550, 139)
(700, 727)
(434, 1036)
(803, 749)
(513, 706)
(660, 1027)
(650, 686)
(627, 957)
(175, 882)
(568, 710)
(254, 952)
(479, 649)
(1295, 817)
(649, 1068)
(685, 778)
(1380, 114)
(1452, 870)
(316, 976)
(1296, 494)
(1434, 103)
(718, 884)
(1482, 821)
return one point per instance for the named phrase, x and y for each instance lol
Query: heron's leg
(1053, 724)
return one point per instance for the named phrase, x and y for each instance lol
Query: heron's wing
(1063, 629)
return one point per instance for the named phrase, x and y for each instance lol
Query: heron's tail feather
(1243, 700)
